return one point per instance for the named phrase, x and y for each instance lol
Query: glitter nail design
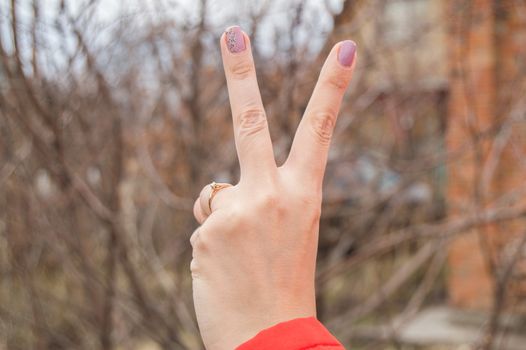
(235, 40)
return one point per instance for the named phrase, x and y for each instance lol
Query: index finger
(253, 144)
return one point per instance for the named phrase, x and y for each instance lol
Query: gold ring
(216, 187)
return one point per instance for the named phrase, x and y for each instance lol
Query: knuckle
(337, 82)
(193, 238)
(269, 199)
(236, 221)
(241, 69)
(234, 218)
(309, 199)
(251, 121)
(310, 202)
(323, 125)
(194, 268)
(198, 241)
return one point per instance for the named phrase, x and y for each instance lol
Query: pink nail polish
(347, 53)
(235, 41)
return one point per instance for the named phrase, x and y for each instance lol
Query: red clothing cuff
(298, 334)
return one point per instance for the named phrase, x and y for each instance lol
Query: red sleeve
(298, 334)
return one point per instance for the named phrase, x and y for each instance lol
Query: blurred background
(114, 114)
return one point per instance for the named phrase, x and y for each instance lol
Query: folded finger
(198, 212)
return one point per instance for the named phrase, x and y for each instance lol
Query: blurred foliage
(114, 116)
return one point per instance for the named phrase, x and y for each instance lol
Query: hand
(254, 254)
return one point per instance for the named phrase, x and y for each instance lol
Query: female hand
(254, 254)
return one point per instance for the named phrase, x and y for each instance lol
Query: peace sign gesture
(254, 254)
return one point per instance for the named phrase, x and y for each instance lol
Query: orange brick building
(487, 70)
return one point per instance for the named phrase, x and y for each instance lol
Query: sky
(109, 15)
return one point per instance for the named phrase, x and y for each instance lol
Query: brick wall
(487, 43)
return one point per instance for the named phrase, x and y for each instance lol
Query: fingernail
(235, 41)
(347, 53)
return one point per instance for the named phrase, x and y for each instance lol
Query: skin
(254, 254)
